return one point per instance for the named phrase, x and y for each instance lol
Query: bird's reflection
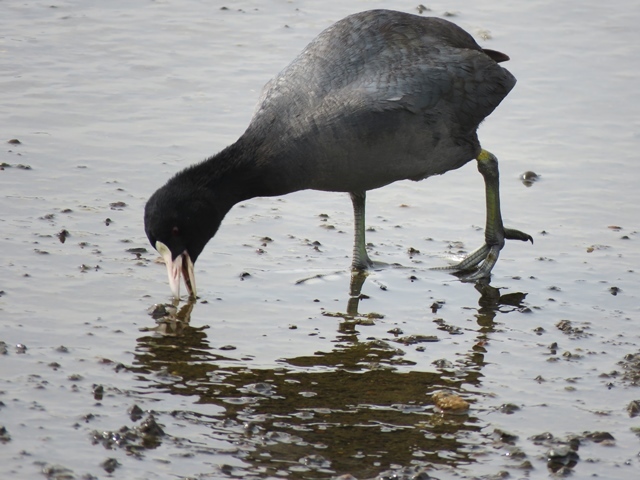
(355, 292)
(492, 302)
(171, 320)
(348, 410)
(351, 317)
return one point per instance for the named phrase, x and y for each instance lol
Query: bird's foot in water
(361, 261)
(368, 266)
(479, 263)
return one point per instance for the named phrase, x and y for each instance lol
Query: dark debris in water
(58, 472)
(505, 437)
(63, 235)
(594, 248)
(615, 291)
(406, 473)
(528, 178)
(630, 369)
(110, 465)
(445, 327)
(561, 460)
(437, 305)
(135, 413)
(604, 438)
(98, 392)
(87, 268)
(562, 454)
(19, 166)
(117, 205)
(4, 435)
(633, 408)
(568, 328)
(508, 408)
(417, 338)
(146, 436)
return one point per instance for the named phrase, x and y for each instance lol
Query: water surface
(276, 378)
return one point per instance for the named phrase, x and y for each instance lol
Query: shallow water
(276, 378)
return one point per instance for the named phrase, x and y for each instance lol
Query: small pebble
(528, 178)
(450, 403)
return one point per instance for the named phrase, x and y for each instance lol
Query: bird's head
(179, 220)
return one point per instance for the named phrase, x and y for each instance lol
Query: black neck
(241, 171)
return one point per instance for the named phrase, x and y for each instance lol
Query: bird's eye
(175, 231)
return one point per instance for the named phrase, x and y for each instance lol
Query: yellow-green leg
(483, 259)
(361, 260)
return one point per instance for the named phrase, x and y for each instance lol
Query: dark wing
(382, 61)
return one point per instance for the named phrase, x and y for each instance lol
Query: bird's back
(386, 84)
